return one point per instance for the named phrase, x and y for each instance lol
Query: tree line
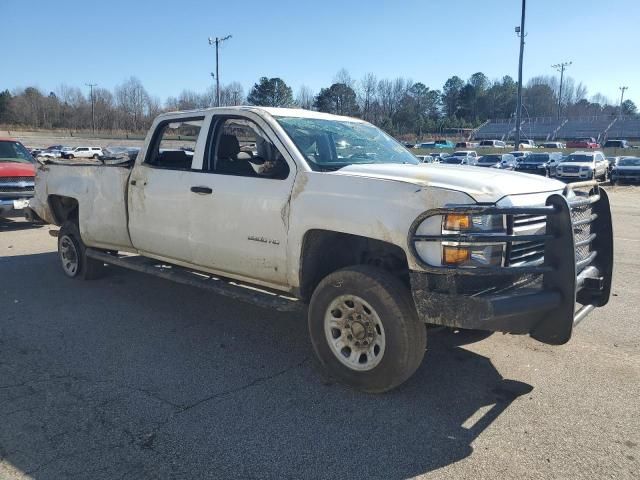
(400, 106)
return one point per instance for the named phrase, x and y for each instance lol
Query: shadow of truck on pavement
(135, 377)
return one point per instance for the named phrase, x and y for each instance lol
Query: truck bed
(101, 192)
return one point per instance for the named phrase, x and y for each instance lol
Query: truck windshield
(333, 144)
(14, 152)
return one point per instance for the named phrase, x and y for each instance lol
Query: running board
(238, 291)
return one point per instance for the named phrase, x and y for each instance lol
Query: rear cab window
(174, 143)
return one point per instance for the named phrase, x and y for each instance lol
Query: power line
(93, 112)
(560, 67)
(217, 41)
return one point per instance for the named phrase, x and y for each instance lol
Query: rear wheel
(72, 255)
(70, 155)
(365, 330)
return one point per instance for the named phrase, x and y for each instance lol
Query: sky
(306, 42)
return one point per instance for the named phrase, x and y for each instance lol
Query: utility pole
(217, 41)
(560, 67)
(520, 31)
(93, 111)
(622, 90)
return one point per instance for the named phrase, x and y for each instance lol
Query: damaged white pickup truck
(288, 208)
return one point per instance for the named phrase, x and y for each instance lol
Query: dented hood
(482, 184)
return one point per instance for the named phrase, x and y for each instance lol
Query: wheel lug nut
(350, 337)
(357, 344)
(365, 343)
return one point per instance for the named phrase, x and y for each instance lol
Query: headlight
(459, 253)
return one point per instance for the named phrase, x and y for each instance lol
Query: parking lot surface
(132, 376)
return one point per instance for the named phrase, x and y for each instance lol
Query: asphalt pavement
(131, 376)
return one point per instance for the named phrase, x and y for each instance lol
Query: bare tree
(304, 98)
(367, 96)
(343, 76)
(133, 101)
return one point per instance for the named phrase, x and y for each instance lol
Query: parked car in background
(540, 163)
(409, 144)
(439, 156)
(492, 144)
(585, 142)
(505, 161)
(519, 154)
(616, 144)
(467, 144)
(17, 176)
(528, 144)
(627, 170)
(467, 157)
(444, 144)
(582, 165)
(558, 145)
(613, 161)
(83, 152)
(49, 153)
(427, 159)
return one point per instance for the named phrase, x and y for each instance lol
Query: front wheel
(365, 330)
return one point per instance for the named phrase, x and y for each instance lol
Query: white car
(83, 152)
(557, 145)
(492, 144)
(583, 165)
(375, 243)
(527, 144)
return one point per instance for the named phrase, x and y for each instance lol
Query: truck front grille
(16, 185)
(526, 253)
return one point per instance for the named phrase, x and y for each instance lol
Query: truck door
(159, 189)
(239, 210)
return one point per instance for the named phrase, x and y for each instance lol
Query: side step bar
(228, 288)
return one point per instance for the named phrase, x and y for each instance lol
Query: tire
(381, 318)
(70, 156)
(96, 156)
(72, 255)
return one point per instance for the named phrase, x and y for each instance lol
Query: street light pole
(520, 31)
(93, 112)
(560, 67)
(217, 41)
(622, 90)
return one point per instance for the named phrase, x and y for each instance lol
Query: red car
(17, 177)
(586, 142)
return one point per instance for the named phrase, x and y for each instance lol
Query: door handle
(202, 190)
(133, 182)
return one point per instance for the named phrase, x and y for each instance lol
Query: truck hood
(17, 169)
(627, 168)
(482, 184)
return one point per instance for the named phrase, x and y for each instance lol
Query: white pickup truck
(292, 208)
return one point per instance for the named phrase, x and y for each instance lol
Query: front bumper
(544, 300)
(627, 177)
(11, 206)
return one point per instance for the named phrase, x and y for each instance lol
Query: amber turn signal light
(457, 221)
(455, 255)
